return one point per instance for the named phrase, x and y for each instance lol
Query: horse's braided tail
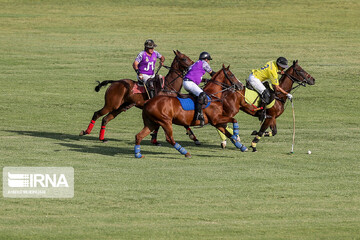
(101, 84)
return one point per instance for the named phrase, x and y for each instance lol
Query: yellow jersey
(269, 71)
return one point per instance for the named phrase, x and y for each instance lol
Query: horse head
(231, 77)
(299, 75)
(225, 80)
(178, 69)
(181, 62)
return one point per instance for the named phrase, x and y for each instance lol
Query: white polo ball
(309, 152)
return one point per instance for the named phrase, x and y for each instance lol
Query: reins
(225, 87)
(294, 80)
(179, 73)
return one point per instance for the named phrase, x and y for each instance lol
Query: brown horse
(165, 110)
(294, 74)
(120, 96)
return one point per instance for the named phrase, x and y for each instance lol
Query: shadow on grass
(57, 136)
(68, 139)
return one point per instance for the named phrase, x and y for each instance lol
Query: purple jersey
(197, 70)
(146, 62)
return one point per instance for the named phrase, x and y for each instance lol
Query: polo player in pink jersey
(193, 78)
(144, 63)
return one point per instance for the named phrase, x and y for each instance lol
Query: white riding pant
(145, 77)
(191, 87)
(256, 83)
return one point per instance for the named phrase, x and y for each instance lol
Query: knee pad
(202, 98)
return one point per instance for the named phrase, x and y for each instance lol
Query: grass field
(52, 52)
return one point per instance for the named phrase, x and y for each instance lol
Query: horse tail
(101, 84)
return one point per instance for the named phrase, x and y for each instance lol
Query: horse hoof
(104, 141)
(223, 144)
(188, 155)
(82, 133)
(156, 143)
(197, 142)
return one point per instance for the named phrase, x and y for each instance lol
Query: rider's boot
(265, 100)
(152, 93)
(201, 99)
(150, 87)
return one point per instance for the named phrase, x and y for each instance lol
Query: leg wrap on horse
(254, 142)
(137, 151)
(90, 127)
(180, 149)
(236, 128)
(237, 143)
(102, 133)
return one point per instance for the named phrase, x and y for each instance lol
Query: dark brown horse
(165, 110)
(293, 75)
(120, 96)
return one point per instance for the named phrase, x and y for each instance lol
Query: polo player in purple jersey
(144, 64)
(193, 78)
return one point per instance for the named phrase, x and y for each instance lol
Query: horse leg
(149, 126)
(170, 139)
(192, 135)
(138, 138)
(113, 114)
(234, 137)
(154, 140)
(260, 133)
(223, 136)
(96, 115)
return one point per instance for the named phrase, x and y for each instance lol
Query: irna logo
(38, 182)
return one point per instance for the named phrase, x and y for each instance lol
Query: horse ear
(228, 67)
(175, 52)
(223, 66)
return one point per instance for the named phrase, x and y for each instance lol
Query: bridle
(225, 87)
(301, 73)
(301, 81)
(179, 73)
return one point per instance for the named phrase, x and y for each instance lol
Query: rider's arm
(136, 67)
(162, 60)
(279, 89)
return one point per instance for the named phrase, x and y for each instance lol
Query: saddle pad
(138, 89)
(188, 104)
(252, 97)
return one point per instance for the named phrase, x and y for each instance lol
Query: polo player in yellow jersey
(268, 72)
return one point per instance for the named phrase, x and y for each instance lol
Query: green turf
(52, 52)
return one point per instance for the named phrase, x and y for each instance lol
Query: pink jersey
(197, 70)
(146, 62)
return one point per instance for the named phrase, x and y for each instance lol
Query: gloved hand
(289, 96)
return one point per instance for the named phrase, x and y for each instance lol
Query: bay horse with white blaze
(293, 75)
(120, 96)
(165, 110)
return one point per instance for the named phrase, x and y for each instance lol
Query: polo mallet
(157, 71)
(293, 138)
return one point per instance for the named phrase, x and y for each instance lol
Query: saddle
(155, 84)
(253, 97)
(187, 101)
